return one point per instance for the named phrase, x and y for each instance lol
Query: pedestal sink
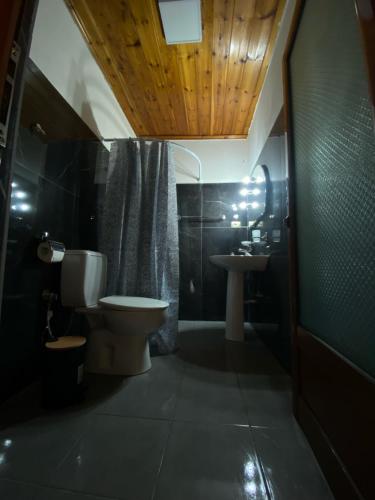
(236, 265)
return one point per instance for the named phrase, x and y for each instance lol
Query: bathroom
(220, 353)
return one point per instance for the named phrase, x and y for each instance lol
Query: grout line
(76, 441)
(174, 420)
(259, 461)
(133, 417)
(261, 468)
(154, 490)
(48, 486)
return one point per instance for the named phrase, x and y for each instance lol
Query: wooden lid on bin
(64, 343)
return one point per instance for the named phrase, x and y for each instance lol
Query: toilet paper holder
(50, 251)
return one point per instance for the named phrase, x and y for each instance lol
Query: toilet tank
(83, 278)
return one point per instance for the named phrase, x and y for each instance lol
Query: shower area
(206, 227)
(215, 218)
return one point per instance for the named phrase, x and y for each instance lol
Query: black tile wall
(52, 184)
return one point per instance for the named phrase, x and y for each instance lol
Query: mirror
(259, 195)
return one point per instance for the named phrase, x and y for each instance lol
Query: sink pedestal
(234, 328)
(237, 265)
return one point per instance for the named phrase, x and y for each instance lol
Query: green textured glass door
(332, 241)
(334, 159)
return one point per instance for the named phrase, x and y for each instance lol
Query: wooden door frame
(308, 352)
(365, 10)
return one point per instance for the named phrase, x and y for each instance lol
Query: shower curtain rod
(170, 142)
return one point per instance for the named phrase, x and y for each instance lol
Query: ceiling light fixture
(181, 21)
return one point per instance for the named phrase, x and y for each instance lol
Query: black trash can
(63, 367)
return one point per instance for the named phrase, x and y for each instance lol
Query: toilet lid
(123, 303)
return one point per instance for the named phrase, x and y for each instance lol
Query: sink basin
(236, 265)
(241, 263)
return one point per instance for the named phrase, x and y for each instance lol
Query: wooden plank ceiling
(200, 90)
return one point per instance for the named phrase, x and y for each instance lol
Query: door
(329, 74)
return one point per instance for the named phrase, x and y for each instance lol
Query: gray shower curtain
(139, 229)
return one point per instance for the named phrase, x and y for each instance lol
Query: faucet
(248, 247)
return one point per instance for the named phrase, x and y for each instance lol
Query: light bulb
(21, 195)
(24, 207)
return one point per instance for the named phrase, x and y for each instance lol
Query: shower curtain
(139, 230)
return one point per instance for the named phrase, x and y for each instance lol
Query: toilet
(119, 325)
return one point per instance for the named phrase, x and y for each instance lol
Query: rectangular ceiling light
(181, 20)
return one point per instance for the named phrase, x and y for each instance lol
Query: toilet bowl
(119, 325)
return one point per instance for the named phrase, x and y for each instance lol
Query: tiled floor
(212, 422)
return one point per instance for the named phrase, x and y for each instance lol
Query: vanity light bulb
(244, 192)
(14, 184)
(259, 180)
(21, 195)
(254, 204)
(255, 191)
(234, 207)
(236, 216)
(243, 205)
(24, 207)
(246, 180)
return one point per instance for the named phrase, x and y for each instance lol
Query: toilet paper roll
(51, 251)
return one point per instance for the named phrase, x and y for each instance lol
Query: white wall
(271, 97)
(60, 51)
(223, 160)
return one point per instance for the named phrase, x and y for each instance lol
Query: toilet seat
(125, 303)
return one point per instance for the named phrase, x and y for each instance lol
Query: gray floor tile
(210, 396)
(151, 395)
(209, 462)
(14, 490)
(116, 457)
(31, 451)
(204, 347)
(110, 447)
(289, 465)
(253, 358)
(268, 399)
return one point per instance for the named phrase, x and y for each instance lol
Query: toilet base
(117, 354)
